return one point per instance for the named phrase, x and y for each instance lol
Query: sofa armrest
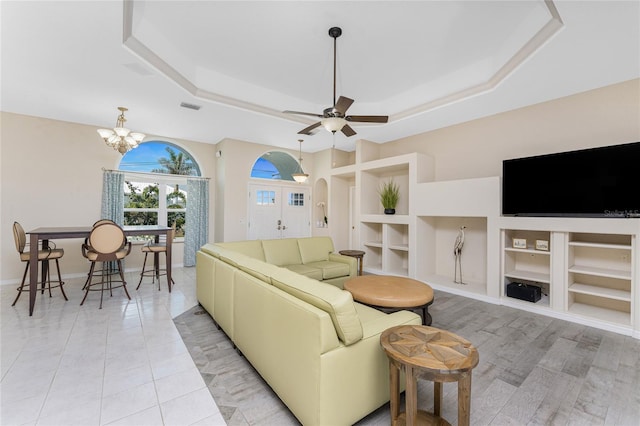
(351, 261)
(377, 326)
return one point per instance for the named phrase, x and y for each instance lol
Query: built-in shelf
(585, 275)
(530, 251)
(528, 276)
(600, 276)
(542, 303)
(373, 244)
(594, 290)
(385, 218)
(600, 245)
(602, 314)
(600, 272)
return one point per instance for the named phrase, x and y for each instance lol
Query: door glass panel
(296, 199)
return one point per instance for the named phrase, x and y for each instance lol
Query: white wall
(605, 116)
(51, 175)
(51, 170)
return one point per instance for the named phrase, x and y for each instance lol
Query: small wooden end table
(358, 254)
(431, 354)
(391, 293)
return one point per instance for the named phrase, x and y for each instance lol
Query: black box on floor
(528, 292)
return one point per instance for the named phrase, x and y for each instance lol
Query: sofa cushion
(251, 248)
(257, 268)
(307, 271)
(330, 269)
(211, 249)
(337, 303)
(282, 252)
(315, 249)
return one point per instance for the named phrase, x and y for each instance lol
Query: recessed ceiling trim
(526, 51)
(151, 58)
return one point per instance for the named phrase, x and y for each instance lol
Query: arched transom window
(275, 165)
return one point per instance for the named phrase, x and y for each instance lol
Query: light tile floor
(125, 364)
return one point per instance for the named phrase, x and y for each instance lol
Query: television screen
(597, 182)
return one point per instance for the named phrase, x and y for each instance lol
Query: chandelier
(300, 176)
(120, 138)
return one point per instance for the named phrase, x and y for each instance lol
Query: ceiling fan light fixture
(335, 117)
(333, 124)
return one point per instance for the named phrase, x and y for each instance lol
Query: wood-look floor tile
(533, 370)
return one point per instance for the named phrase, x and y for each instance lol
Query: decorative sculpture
(457, 252)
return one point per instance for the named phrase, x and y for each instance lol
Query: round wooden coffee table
(431, 354)
(392, 293)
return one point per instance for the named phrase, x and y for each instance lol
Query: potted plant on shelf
(389, 195)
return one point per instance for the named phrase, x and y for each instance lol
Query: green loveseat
(317, 348)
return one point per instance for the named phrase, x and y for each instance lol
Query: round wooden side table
(431, 354)
(358, 254)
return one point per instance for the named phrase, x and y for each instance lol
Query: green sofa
(312, 257)
(317, 348)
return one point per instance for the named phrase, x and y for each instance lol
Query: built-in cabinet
(386, 244)
(388, 240)
(523, 263)
(585, 276)
(585, 267)
(599, 276)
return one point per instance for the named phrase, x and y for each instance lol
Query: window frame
(163, 181)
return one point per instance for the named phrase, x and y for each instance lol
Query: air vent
(190, 106)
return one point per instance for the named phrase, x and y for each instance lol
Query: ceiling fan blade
(307, 130)
(368, 118)
(303, 113)
(343, 104)
(348, 131)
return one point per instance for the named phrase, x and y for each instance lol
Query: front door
(279, 211)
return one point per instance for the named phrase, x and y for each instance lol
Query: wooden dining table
(44, 234)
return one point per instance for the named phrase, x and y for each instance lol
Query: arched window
(275, 165)
(155, 190)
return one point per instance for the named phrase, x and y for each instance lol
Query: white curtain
(197, 218)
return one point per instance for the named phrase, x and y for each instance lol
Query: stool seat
(154, 248)
(49, 254)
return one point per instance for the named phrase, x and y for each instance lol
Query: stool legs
(437, 398)
(394, 383)
(411, 395)
(46, 280)
(464, 399)
(155, 271)
(102, 283)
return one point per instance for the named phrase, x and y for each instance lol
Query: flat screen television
(596, 182)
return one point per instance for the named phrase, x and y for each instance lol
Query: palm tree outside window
(155, 189)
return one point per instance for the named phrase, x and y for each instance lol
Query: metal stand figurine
(457, 252)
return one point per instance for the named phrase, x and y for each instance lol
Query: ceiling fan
(334, 118)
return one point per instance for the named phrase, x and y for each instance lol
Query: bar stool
(106, 243)
(44, 256)
(156, 248)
